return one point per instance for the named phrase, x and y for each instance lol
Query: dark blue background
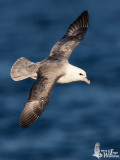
(78, 114)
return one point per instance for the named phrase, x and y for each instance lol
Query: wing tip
(84, 17)
(85, 11)
(24, 124)
(27, 119)
(79, 25)
(21, 126)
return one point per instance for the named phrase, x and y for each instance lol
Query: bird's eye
(81, 74)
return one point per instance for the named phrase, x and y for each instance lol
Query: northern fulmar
(54, 69)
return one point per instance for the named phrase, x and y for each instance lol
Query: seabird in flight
(54, 69)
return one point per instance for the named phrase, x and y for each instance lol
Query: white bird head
(73, 74)
(80, 75)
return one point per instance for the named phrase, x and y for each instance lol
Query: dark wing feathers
(73, 36)
(79, 26)
(28, 115)
(38, 99)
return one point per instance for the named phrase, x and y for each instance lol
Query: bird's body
(54, 69)
(68, 71)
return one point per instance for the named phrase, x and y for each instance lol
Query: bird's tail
(21, 69)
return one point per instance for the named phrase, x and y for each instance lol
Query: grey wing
(73, 36)
(38, 99)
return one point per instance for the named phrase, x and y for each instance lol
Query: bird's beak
(87, 81)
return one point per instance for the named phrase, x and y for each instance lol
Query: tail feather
(20, 69)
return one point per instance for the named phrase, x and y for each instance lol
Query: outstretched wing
(73, 36)
(38, 99)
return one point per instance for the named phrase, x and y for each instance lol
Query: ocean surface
(78, 115)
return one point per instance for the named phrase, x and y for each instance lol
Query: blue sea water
(78, 115)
